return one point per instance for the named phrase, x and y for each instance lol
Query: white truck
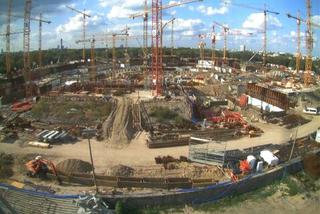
(310, 110)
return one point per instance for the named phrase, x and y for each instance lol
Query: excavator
(39, 167)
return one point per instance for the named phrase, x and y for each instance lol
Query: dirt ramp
(122, 126)
(74, 166)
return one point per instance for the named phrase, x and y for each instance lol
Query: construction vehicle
(39, 167)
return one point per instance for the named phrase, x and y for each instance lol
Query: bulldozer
(39, 167)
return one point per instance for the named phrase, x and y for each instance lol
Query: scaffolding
(207, 151)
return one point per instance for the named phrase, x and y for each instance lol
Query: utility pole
(89, 133)
(85, 15)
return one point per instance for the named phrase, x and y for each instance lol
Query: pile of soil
(74, 166)
(293, 120)
(311, 164)
(121, 170)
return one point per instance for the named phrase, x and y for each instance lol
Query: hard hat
(38, 157)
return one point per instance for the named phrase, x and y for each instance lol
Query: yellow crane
(225, 33)
(40, 37)
(309, 46)
(26, 48)
(298, 54)
(85, 15)
(8, 33)
(93, 68)
(299, 21)
(265, 13)
(92, 51)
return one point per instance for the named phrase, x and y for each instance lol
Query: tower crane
(93, 69)
(265, 12)
(114, 58)
(126, 54)
(309, 45)
(172, 37)
(8, 60)
(299, 21)
(213, 47)
(85, 15)
(156, 10)
(26, 48)
(202, 45)
(26, 29)
(40, 38)
(225, 32)
(298, 54)
(162, 29)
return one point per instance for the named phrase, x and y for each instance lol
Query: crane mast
(213, 44)
(8, 57)
(309, 44)
(26, 47)
(85, 15)
(156, 44)
(40, 38)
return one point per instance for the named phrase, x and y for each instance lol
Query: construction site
(142, 125)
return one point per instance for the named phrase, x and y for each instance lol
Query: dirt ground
(137, 152)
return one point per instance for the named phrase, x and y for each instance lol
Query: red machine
(244, 167)
(21, 106)
(229, 117)
(40, 167)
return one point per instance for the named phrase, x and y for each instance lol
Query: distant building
(242, 48)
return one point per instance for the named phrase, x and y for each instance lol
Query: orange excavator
(39, 167)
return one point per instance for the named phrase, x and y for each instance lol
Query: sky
(192, 19)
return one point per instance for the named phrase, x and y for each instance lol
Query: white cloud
(316, 19)
(123, 3)
(119, 12)
(209, 11)
(191, 8)
(256, 21)
(188, 24)
(122, 8)
(74, 23)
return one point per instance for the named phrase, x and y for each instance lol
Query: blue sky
(191, 20)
